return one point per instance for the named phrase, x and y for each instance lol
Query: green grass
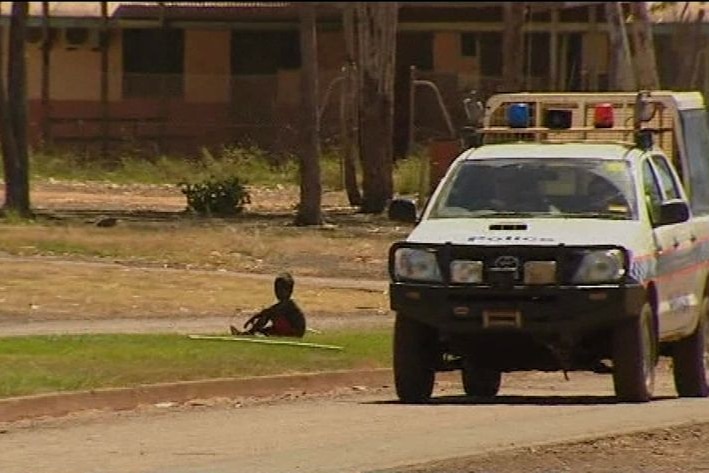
(40, 364)
(408, 175)
(252, 165)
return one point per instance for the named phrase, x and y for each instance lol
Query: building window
(536, 58)
(264, 52)
(153, 62)
(414, 49)
(469, 44)
(491, 54)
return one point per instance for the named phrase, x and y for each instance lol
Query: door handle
(675, 243)
(693, 238)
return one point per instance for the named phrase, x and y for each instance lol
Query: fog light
(470, 272)
(540, 272)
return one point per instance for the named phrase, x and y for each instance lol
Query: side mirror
(673, 211)
(402, 210)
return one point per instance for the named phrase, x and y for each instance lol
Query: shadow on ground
(336, 216)
(567, 400)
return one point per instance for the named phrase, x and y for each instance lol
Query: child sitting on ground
(284, 318)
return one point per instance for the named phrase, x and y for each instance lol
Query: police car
(566, 239)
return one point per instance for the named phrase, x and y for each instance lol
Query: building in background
(182, 75)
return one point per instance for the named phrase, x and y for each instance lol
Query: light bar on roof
(603, 116)
(518, 115)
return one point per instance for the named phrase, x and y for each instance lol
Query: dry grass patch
(60, 290)
(266, 247)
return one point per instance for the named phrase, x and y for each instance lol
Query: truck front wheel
(415, 355)
(635, 357)
(688, 359)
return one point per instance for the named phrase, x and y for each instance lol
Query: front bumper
(534, 310)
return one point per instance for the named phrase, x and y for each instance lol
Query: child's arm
(262, 317)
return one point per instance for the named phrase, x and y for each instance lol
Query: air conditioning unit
(34, 35)
(81, 38)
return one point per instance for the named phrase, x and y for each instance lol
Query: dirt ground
(76, 195)
(681, 449)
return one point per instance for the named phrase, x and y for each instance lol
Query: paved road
(353, 433)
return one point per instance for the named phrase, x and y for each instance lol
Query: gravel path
(180, 325)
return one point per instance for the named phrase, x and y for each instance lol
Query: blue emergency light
(518, 115)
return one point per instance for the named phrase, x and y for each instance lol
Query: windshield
(566, 187)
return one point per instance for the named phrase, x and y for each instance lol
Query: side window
(669, 184)
(696, 137)
(651, 190)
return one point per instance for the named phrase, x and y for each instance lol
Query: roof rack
(627, 144)
(591, 117)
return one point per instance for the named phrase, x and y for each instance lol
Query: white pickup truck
(574, 235)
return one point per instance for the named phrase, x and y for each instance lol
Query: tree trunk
(686, 42)
(350, 135)
(309, 210)
(7, 141)
(14, 117)
(513, 47)
(699, 41)
(46, 57)
(645, 63)
(621, 76)
(376, 51)
(104, 81)
(350, 132)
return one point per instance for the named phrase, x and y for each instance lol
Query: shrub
(216, 197)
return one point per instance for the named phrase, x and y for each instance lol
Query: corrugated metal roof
(65, 9)
(671, 12)
(227, 4)
(93, 9)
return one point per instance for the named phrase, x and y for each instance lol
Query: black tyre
(480, 381)
(415, 356)
(635, 357)
(689, 361)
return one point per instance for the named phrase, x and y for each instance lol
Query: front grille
(567, 260)
(496, 259)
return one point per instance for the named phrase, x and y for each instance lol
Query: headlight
(416, 264)
(470, 272)
(600, 266)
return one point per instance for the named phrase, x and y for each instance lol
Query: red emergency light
(603, 116)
